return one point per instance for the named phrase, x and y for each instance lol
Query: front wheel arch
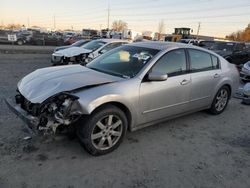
(122, 107)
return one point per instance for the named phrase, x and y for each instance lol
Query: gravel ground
(198, 150)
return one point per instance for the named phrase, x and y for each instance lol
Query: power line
(183, 12)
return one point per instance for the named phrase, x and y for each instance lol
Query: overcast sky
(217, 17)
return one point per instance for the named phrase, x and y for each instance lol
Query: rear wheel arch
(229, 87)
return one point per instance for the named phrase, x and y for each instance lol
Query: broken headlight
(58, 110)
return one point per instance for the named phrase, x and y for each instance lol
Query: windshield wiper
(111, 73)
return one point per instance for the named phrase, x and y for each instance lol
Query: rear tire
(220, 101)
(103, 131)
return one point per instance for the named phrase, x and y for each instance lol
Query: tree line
(241, 36)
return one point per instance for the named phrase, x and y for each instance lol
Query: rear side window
(173, 63)
(216, 62)
(200, 61)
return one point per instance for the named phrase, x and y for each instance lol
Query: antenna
(28, 22)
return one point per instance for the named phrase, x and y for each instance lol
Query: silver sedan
(130, 87)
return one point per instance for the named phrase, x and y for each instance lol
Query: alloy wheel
(221, 100)
(106, 132)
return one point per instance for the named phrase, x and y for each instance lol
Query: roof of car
(112, 40)
(162, 45)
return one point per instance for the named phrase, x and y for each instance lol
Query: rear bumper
(31, 121)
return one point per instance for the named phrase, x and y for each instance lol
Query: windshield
(124, 61)
(184, 41)
(94, 45)
(223, 46)
(79, 43)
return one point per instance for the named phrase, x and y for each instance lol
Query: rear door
(205, 74)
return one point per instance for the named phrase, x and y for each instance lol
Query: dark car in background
(233, 52)
(247, 45)
(51, 39)
(21, 38)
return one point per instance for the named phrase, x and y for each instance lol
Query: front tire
(20, 42)
(220, 101)
(103, 131)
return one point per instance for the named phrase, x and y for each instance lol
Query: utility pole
(108, 14)
(28, 21)
(198, 31)
(54, 22)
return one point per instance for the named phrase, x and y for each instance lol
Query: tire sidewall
(86, 126)
(20, 42)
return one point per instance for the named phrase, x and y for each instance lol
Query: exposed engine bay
(60, 110)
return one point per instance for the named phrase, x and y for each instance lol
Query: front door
(160, 99)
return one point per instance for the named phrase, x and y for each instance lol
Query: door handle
(184, 82)
(216, 75)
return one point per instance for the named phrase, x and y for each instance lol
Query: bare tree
(161, 29)
(242, 35)
(119, 25)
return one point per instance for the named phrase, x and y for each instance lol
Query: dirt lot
(197, 150)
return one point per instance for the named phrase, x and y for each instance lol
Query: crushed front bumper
(31, 121)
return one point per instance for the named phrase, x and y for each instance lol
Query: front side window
(199, 60)
(173, 63)
(124, 61)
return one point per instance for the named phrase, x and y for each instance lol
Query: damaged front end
(61, 110)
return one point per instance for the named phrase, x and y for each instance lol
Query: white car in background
(190, 41)
(85, 53)
(245, 72)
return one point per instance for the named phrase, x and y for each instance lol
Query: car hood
(61, 48)
(71, 52)
(44, 83)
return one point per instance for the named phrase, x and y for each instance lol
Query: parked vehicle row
(21, 37)
(126, 88)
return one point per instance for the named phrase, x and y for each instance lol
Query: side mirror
(157, 76)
